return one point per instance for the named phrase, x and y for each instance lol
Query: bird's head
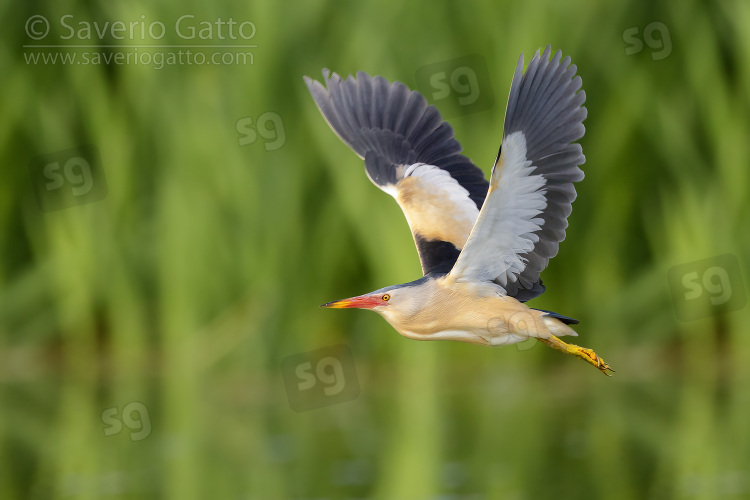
(394, 303)
(375, 301)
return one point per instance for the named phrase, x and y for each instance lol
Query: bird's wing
(411, 154)
(531, 187)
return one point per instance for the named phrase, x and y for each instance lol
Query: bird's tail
(565, 319)
(557, 325)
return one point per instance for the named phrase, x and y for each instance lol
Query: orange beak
(361, 302)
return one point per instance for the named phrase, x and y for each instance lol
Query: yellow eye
(386, 297)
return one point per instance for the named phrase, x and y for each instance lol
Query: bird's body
(467, 311)
(482, 244)
(438, 308)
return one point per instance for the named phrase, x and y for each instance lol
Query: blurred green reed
(202, 268)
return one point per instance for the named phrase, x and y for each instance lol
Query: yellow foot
(584, 353)
(591, 357)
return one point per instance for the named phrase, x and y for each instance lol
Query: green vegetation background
(203, 267)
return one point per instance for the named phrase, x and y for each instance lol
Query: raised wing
(531, 187)
(411, 154)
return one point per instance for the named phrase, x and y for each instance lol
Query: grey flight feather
(387, 120)
(546, 105)
(392, 128)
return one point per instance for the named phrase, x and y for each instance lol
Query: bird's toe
(591, 357)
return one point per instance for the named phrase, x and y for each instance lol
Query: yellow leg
(580, 352)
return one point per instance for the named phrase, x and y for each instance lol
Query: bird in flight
(482, 245)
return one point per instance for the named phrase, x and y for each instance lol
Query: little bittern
(482, 244)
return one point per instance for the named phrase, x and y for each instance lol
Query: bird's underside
(482, 244)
